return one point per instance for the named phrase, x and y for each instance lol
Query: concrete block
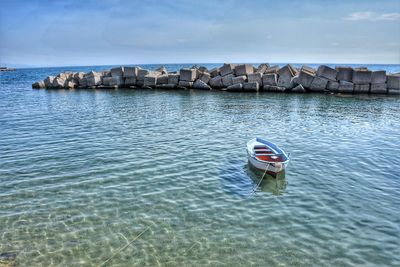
(255, 77)
(272, 88)
(378, 88)
(162, 79)
(117, 72)
(82, 82)
(262, 68)
(129, 81)
(393, 81)
(173, 78)
(295, 80)
(286, 74)
(346, 87)
(298, 89)
(344, 74)
(214, 72)
(93, 80)
(116, 81)
(162, 70)
(58, 82)
(104, 81)
(327, 72)
(216, 82)
(48, 82)
(318, 84)
(308, 69)
(305, 78)
(185, 84)
(362, 76)
(189, 75)
(150, 80)
(239, 79)
(38, 85)
(270, 79)
(243, 69)
(199, 84)
(333, 86)
(251, 87)
(378, 76)
(71, 85)
(226, 69)
(361, 89)
(141, 74)
(205, 77)
(130, 72)
(287, 70)
(227, 80)
(238, 87)
(272, 69)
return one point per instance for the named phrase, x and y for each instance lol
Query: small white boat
(266, 156)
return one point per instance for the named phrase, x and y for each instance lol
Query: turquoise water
(83, 172)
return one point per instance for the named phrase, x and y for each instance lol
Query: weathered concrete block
(244, 69)
(378, 76)
(58, 82)
(227, 80)
(238, 87)
(199, 84)
(287, 70)
(216, 82)
(162, 79)
(333, 86)
(393, 81)
(71, 85)
(239, 79)
(346, 87)
(141, 74)
(318, 84)
(93, 80)
(117, 72)
(305, 78)
(226, 69)
(188, 75)
(378, 88)
(262, 68)
(78, 75)
(130, 72)
(116, 81)
(162, 70)
(327, 72)
(361, 89)
(185, 84)
(214, 72)
(270, 79)
(129, 81)
(273, 69)
(48, 82)
(272, 88)
(298, 89)
(362, 76)
(38, 85)
(295, 80)
(105, 81)
(344, 74)
(205, 77)
(255, 77)
(173, 78)
(286, 74)
(150, 80)
(82, 82)
(308, 69)
(251, 87)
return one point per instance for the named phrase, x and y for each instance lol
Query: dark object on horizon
(6, 69)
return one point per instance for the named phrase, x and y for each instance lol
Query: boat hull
(265, 166)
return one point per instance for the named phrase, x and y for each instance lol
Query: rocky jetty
(234, 78)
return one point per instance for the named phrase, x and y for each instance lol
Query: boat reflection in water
(240, 178)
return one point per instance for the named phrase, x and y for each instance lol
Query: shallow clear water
(83, 172)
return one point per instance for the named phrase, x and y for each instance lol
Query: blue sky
(101, 32)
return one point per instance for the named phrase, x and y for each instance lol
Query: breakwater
(234, 78)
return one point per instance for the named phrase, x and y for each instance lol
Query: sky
(112, 32)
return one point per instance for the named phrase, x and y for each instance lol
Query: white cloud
(372, 16)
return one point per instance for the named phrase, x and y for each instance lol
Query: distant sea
(84, 172)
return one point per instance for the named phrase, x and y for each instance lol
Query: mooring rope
(124, 247)
(262, 178)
